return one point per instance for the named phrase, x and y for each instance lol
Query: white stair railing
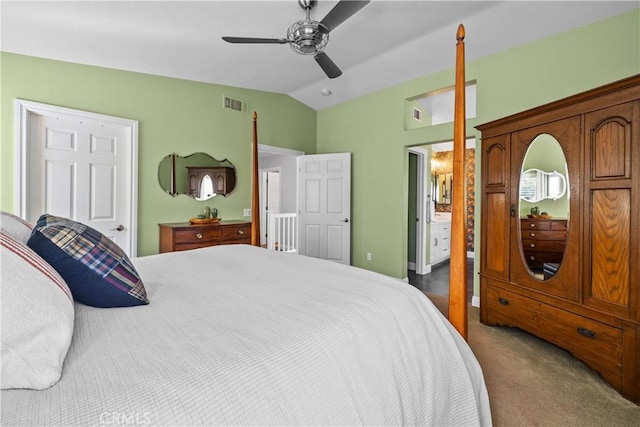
(282, 232)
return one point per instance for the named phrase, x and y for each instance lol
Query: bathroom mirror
(537, 185)
(197, 175)
(544, 206)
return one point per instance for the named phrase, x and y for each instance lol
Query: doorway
(424, 196)
(269, 199)
(418, 218)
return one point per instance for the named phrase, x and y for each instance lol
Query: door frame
(422, 267)
(264, 191)
(24, 110)
(265, 151)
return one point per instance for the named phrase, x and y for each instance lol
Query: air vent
(417, 114)
(234, 104)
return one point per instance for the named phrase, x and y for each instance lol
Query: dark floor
(437, 281)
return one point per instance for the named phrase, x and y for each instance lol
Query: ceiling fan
(310, 37)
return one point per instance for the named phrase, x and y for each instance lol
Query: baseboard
(411, 266)
(475, 301)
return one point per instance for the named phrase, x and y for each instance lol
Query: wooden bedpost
(255, 189)
(458, 263)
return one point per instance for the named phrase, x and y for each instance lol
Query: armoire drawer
(599, 345)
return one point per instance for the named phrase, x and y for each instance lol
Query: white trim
(264, 222)
(475, 301)
(271, 150)
(23, 111)
(421, 266)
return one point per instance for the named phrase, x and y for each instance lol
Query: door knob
(118, 228)
(344, 220)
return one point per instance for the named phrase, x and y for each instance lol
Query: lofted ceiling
(384, 44)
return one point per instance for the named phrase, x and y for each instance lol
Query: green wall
(373, 127)
(174, 116)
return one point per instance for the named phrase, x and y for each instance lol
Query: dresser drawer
(599, 345)
(543, 246)
(197, 236)
(543, 224)
(545, 234)
(237, 233)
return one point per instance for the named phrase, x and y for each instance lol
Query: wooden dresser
(181, 236)
(543, 240)
(590, 305)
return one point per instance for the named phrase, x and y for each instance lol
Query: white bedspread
(238, 335)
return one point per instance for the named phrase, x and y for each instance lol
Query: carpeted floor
(534, 383)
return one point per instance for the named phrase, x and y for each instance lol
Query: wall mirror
(197, 175)
(537, 185)
(544, 206)
(442, 187)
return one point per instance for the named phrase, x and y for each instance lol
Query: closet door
(611, 202)
(565, 283)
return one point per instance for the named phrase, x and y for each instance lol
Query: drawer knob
(532, 258)
(533, 245)
(199, 235)
(532, 225)
(586, 332)
(240, 231)
(503, 301)
(532, 234)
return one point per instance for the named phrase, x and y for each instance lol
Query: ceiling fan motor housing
(306, 38)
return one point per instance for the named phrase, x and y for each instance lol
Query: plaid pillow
(96, 269)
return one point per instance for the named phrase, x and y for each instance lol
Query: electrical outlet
(247, 212)
(368, 256)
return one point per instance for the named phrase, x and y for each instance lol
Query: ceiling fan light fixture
(310, 37)
(305, 37)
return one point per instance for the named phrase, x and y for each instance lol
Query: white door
(324, 206)
(80, 165)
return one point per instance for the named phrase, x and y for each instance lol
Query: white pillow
(37, 318)
(16, 226)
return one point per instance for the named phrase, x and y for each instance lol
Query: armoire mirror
(544, 206)
(197, 175)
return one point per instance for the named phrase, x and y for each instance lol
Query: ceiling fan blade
(253, 40)
(330, 69)
(340, 13)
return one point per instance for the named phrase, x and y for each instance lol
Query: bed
(225, 335)
(286, 342)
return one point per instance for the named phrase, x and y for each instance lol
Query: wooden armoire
(590, 305)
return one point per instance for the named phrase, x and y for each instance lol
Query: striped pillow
(16, 226)
(96, 269)
(37, 318)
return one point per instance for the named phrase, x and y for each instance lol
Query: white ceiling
(386, 43)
